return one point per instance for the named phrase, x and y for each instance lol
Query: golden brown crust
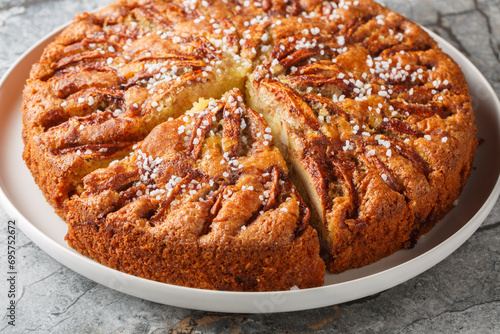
(373, 118)
(203, 201)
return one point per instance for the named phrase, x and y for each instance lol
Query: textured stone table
(459, 295)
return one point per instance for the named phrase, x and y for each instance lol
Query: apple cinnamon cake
(246, 145)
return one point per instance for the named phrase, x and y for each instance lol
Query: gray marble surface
(459, 295)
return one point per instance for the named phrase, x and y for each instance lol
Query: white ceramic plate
(23, 201)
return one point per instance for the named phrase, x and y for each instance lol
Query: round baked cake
(246, 145)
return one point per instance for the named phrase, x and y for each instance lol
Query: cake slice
(204, 201)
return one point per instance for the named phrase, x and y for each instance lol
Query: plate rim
(251, 302)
